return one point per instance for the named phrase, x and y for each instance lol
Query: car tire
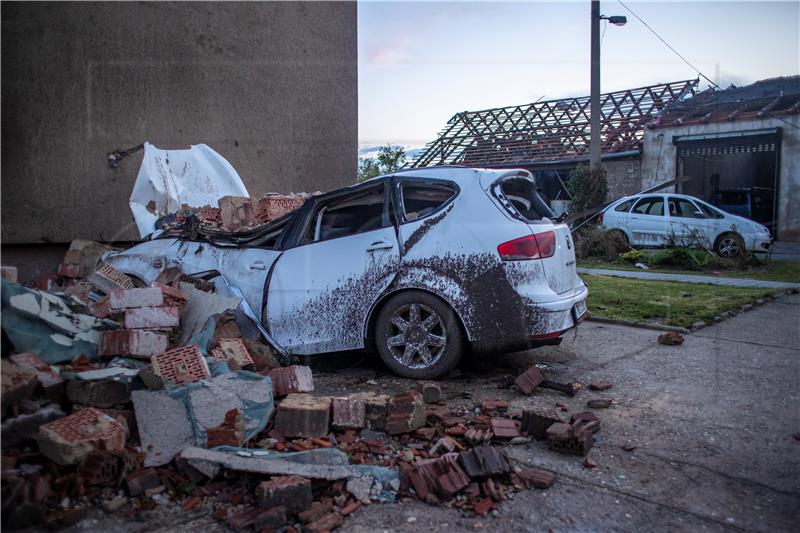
(622, 236)
(418, 336)
(729, 245)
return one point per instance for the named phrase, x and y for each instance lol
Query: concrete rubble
(156, 391)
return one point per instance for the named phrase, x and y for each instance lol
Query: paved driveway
(712, 420)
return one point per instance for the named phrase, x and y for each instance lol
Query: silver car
(419, 265)
(661, 219)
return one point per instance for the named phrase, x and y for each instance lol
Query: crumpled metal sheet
(169, 178)
(55, 327)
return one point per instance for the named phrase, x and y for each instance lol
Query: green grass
(788, 271)
(665, 302)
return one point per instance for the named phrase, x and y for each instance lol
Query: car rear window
(524, 200)
(624, 206)
(423, 199)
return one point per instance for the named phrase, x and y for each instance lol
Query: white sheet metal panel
(168, 178)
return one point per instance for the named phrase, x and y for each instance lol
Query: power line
(668, 45)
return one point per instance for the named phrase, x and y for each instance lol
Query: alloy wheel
(729, 247)
(417, 337)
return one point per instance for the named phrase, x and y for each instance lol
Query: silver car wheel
(729, 247)
(417, 336)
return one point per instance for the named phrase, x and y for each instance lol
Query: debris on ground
(121, 397)
(600, 385)
(670, 338)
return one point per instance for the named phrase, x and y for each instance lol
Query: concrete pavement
(690, 278)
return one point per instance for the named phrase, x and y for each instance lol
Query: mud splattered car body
(478, 244)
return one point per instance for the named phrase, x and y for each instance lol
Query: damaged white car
(418, 265)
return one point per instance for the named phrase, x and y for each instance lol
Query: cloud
(391, 51)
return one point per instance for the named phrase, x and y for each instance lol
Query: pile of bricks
(149, 314)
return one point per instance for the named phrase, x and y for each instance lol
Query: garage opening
(738, 172)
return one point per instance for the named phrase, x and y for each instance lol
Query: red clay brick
(290, 379)
(303, 415)
(181, 365)
(234, 352)
(132, 342)
(274, 206)
(138, 297)
(107, 278)
(237, 212)
(348, 413)
(152, 317)
(291, 492)
(529, 380)
(70, 439)
(44, 372)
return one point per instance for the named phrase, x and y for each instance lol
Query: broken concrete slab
(201, 306)
(210, 401)
(164, 426)
(169, 421)
(55, 327)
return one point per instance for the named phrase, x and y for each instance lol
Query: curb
(631, 323)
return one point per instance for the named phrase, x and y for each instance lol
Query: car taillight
(536, 246)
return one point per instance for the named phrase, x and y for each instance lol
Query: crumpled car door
(321, 291)
(245, 268)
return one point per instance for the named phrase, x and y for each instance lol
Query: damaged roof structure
(550, 131)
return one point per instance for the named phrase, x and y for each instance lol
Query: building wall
(273, 87)
(624, 177)
(660, 159)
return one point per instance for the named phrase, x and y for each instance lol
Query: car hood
(169, 178)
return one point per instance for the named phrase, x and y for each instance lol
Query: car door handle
(379, 245)
(258, 265)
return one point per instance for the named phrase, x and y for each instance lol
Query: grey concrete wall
(273, 87)
(660, 159)
(624, 177)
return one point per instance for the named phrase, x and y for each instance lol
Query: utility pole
(594, 98)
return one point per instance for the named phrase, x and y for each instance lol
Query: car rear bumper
(560, 315)
(549, 321)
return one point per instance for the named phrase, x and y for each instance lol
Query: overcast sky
(420, 63)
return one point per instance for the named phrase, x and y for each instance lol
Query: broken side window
(347, 216)
(525, 199)
(650, 205)
(422, 200)
(624, 206)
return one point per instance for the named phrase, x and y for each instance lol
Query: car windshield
(709, 211)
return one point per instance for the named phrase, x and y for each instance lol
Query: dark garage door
(738, 172)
